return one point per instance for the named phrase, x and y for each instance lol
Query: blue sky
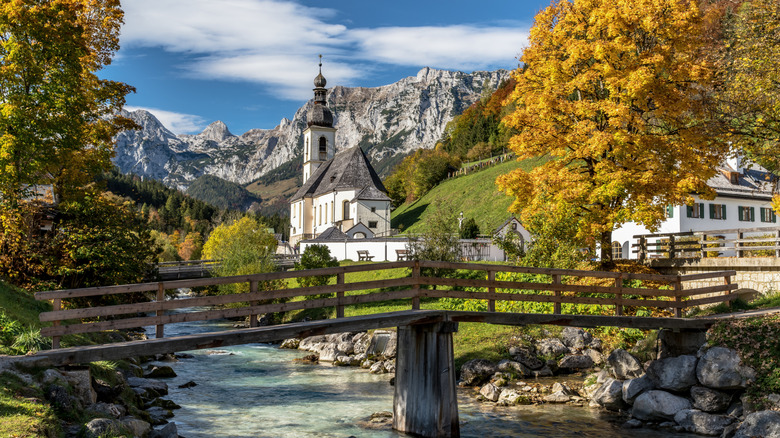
(251, 63)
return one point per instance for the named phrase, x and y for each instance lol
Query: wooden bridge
(425, 400)
(186, 269)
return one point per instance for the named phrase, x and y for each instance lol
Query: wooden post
(777, 243)
(727, 281)
(671, 247)
(619, 296)
(703, 246)
(557, 293)
(417, 287)
(677, 297)
(55, 340)
(253, 289)
(491, 289)
(740, 236)
(340, 296)
(425, 400)
(642, 248)
(160, 329)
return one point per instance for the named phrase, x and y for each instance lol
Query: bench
(401, 254)
(363, 256)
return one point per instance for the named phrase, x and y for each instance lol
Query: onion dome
(319, 113)
(320, 81)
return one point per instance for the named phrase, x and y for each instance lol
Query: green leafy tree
(313, 257)
(469, 229)
(440, 241)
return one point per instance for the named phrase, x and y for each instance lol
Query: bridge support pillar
(425, 401)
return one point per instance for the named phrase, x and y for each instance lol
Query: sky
(250, 63)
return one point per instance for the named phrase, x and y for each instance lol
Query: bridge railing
(735, 242)
(676, 292)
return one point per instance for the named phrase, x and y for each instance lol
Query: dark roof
(754, 182)
(348, 170)
(332, 233)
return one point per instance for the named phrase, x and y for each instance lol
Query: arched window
(617, 250)
(359, 235)
(326, 212)
(323, 148)
(345, 214)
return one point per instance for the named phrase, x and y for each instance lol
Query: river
(256, 390)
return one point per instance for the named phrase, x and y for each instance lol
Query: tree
(440, 241)
(313, 257)
(617, 95)
(469, 229)
(58, 118)
(751, 95)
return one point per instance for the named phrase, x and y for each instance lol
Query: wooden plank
(707, 275)
(518, 319)
(491, 303)
(710, 300)
(618, 297)
(542, 271)
(709, 290)
(340, 297)
(557, 295)
(416, 285)
(545, 298)
(159, 330)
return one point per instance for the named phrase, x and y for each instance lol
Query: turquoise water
(257, 390)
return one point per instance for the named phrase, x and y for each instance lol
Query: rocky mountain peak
(217, 131)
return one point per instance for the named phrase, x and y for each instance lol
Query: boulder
(477, 371)
(609, 395)
(675, 374)
(551, 347)
(390, 366)
(563, 388)
(594, 355)
(557, 397)
(148, 388)
(720, 368)
(105, 392)
(60, 399)
(657, 405)
(760, 424)
(510, 397)
(624, 365)
(573, 362)
(491, 392)
(545, 371)
(291, 343)
(514, 368)
(709, 400)
(576, 338)
(100, 427)
(108, 410)
(377, 368)
(634, 387)
(526, 357)
(360, 342)
(309, 342)
(81, 382)
(136, 427)
(702, 423)
(169, 431)
(158, 415)
(159, 372)
(329, 353)
(346, 347)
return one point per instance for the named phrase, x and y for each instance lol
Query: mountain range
(388, 122)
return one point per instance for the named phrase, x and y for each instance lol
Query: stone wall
(761, 274)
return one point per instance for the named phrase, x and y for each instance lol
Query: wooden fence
(739, 242)
(556, 287)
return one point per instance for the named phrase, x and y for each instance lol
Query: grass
(766, 301)
(21, 305)
(23, 412)
(475, 194)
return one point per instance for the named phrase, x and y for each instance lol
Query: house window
(768, 215)
(747, 214)
(514, 226)
(371, 224)
(670, 211)
(617, 250)
(696, 210)
(718, 211)
(373, 209)
(345, 213)
(323, 148)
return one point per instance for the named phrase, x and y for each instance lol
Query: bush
(313, 257)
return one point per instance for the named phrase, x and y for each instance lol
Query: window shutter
(752, 214)
(670, 211)
(689, 210)
(701, 210)
(723, 211)
(774, 216)
(712, 211)
(741, 211)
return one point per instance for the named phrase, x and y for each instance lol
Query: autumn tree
(749, 69)
(615, 94)
(58, 117)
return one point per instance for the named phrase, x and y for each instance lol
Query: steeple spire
(319, 114)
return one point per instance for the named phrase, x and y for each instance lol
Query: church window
(372, 224)
(373, 209)
(617, 250)
(346, 210)
(323, 148)
(320, 210)
(332, 212)
(326, 212)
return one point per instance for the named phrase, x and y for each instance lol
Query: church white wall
(381, 216)
(382, 249)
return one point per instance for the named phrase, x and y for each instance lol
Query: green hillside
(476, 195)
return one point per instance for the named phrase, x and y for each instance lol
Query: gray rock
(575, 338)
(526, 357)
(108, 410)
(551, 347)
(765, 424)
(735, 410)
(60, 399)
(545, 371)
(344, 360)
(676, 374)
(159, 415)
(329, 353)
(594, 355)
(391, 349)
(105, 392)
(100, 427)
(308, 343)
(624, 365)
(563, 388)
(702, 423)
(720, 368)
(337, 338)
(136, 427)
(632, 424)
(81, 382)
(657, 405)
(709, 400)
(148, 388)
(634, 387)
(610, 395)
(575, 362)
(510, 397)
(291, 343)
(377, 368)
(491, 392)
(557, 397)
(159, 372)
(390, 366)
(514, 368)
(346, 347)
(360, 342)
(477, 371)
(169, 431)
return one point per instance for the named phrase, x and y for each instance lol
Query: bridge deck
(85, 354)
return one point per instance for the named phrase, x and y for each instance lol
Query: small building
(340, 190)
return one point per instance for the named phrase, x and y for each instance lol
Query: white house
(743, 200)
(339, 190)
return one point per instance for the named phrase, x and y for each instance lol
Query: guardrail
(558, 288)
(736, 242)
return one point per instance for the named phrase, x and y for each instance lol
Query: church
(341, 194)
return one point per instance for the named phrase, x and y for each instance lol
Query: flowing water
(257, 390)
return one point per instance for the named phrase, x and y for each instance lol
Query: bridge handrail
(408, 287)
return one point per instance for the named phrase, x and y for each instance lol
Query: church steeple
(320, 137)
(320, 114)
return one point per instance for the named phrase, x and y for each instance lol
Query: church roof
(348, 170)
(332, 233)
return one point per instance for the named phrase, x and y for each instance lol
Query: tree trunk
(606, 247)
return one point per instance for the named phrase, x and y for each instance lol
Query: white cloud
(275, 42)
(178, 123)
